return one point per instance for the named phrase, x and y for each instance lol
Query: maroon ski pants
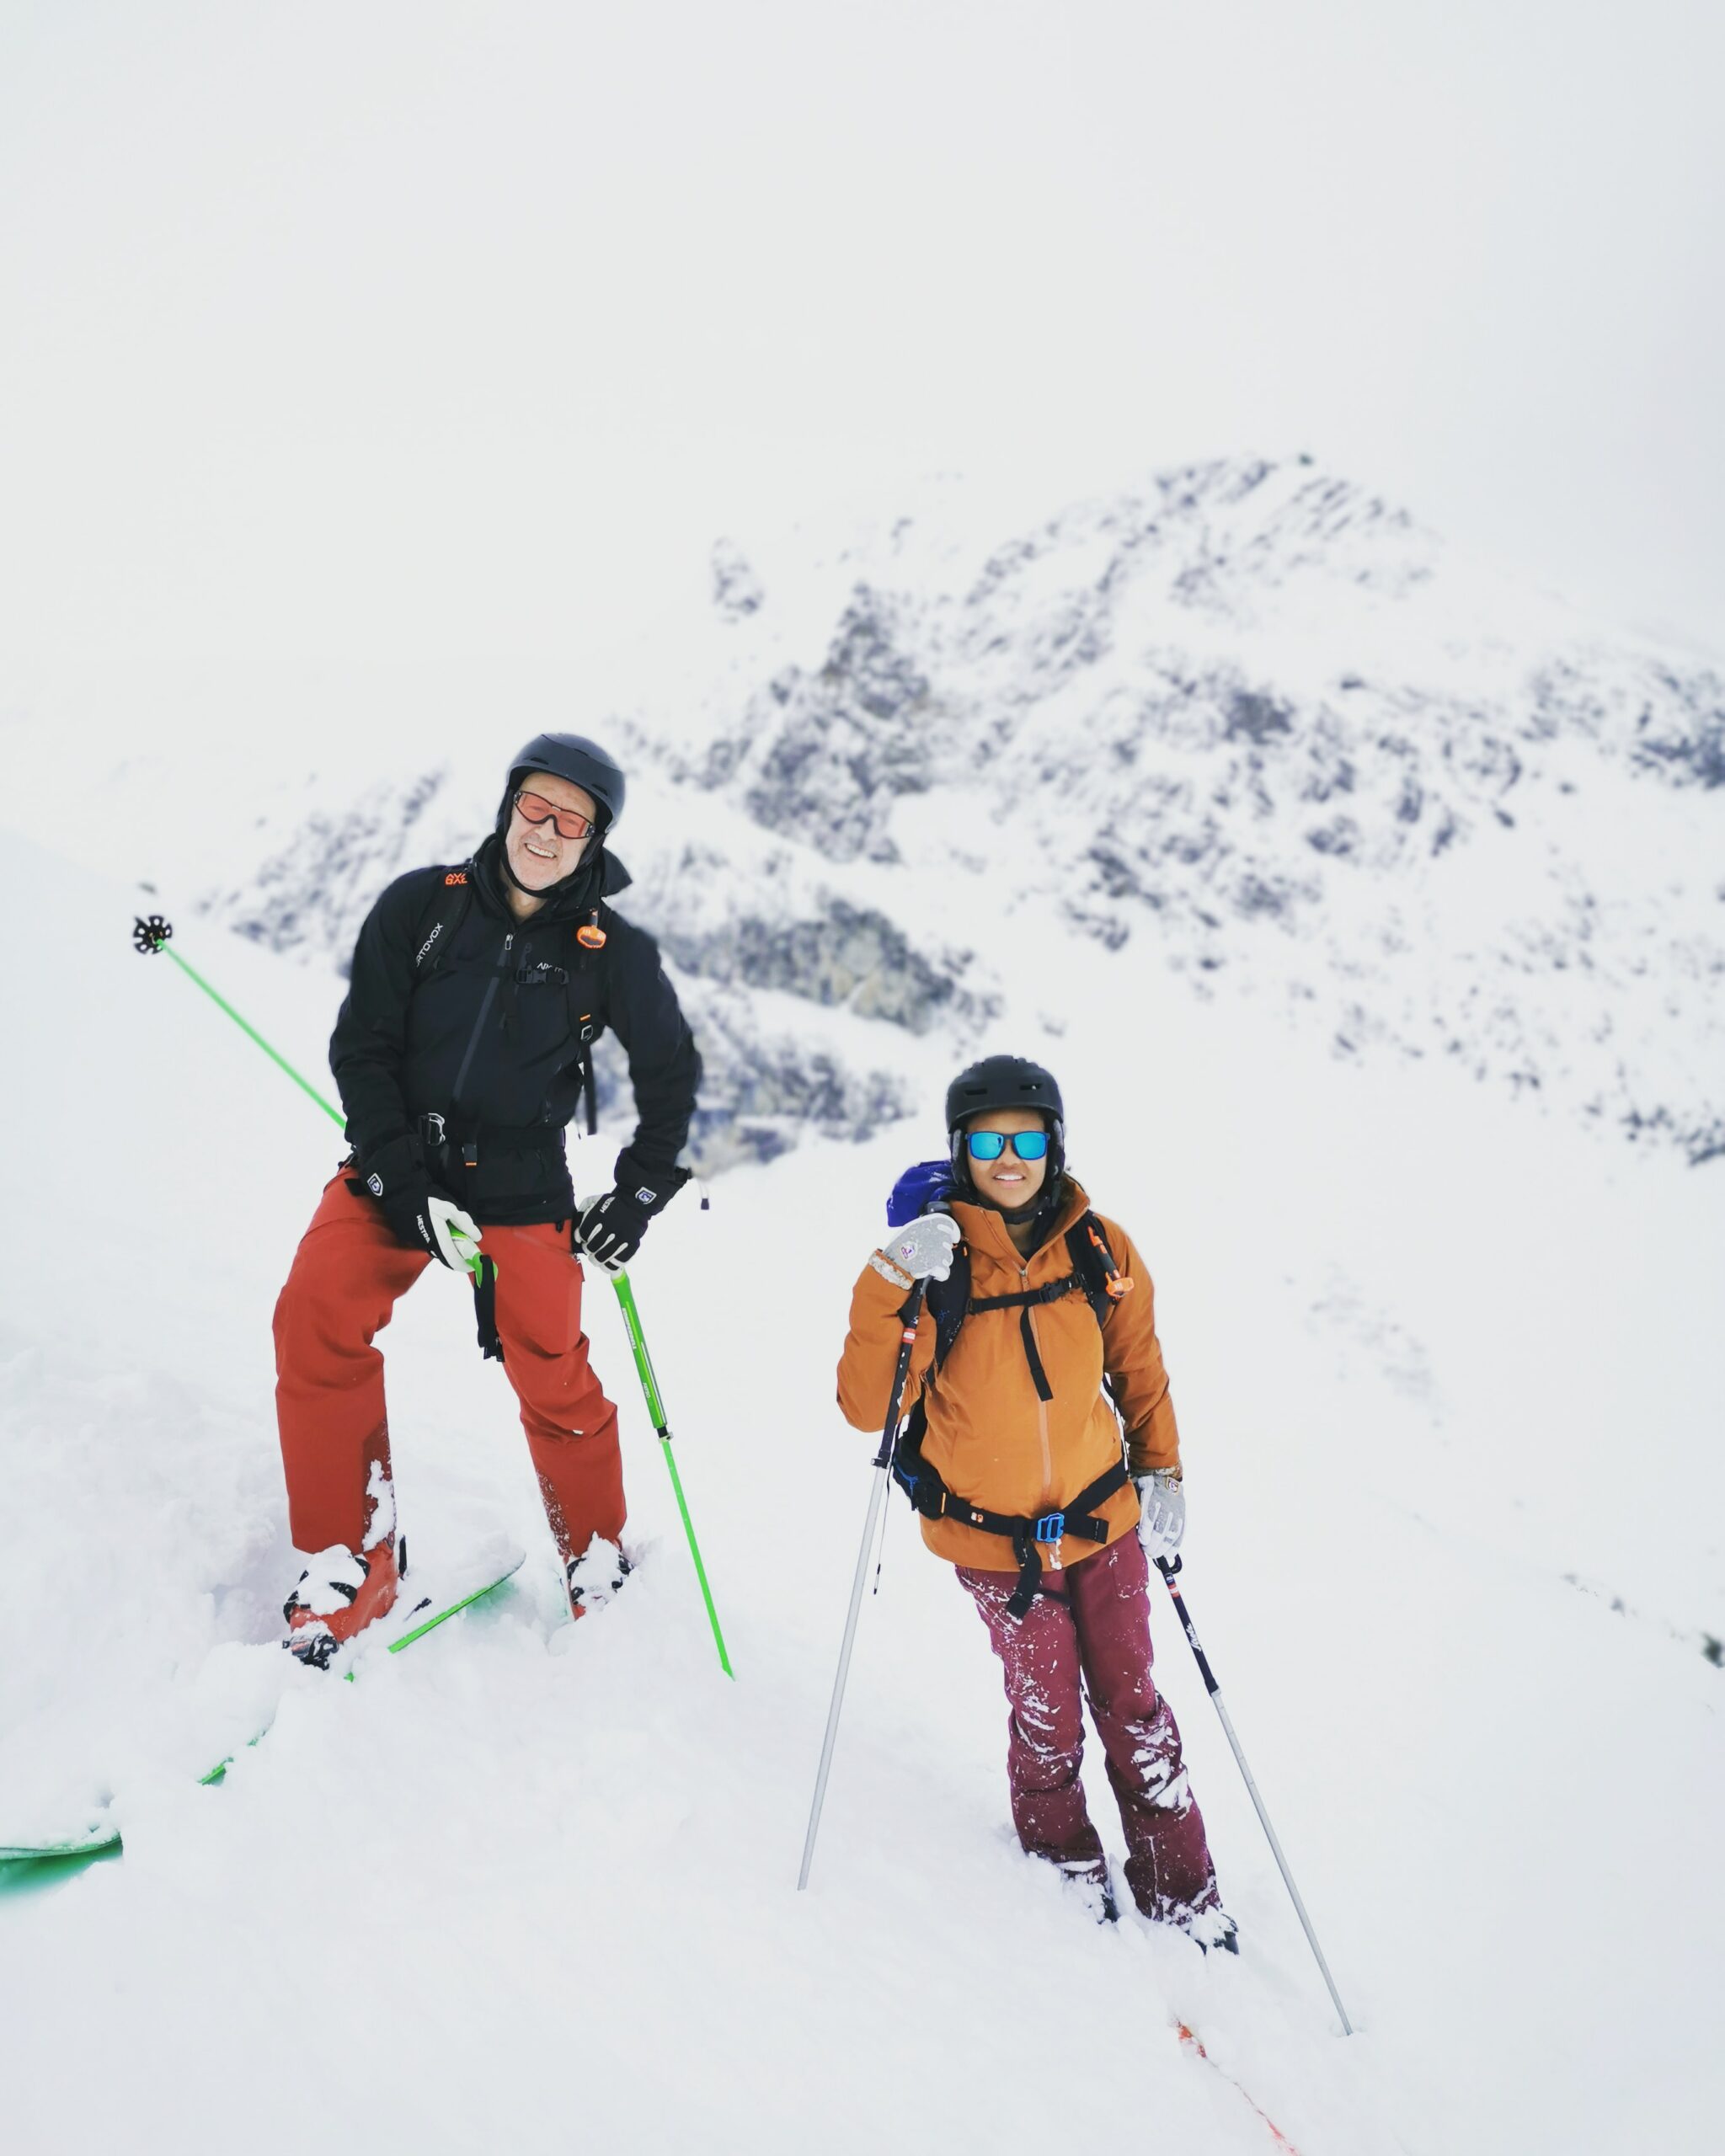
(1092, 1622)
(346, 1276)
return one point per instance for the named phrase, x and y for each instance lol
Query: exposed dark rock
(847, 956)
(320, 887)
(1256, 718)
(736, 589)
(1340, 836)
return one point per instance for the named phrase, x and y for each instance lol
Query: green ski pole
(655, 1409)
(150, 937)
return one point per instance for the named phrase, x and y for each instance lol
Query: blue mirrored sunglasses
(990, 1144)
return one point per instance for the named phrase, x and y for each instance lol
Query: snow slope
(1449, 1379)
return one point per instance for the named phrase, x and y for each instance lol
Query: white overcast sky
(394, 329)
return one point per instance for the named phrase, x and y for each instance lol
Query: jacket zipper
(491, 997)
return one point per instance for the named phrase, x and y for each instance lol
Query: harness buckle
(1050, 1528)
(431, 1129)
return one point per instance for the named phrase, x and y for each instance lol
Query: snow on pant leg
(571, 1426)
(340, 1289)
(1038, 1655)
(1168, 1865)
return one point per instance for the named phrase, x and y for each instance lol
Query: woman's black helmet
(574, 757)
(1005, 1081)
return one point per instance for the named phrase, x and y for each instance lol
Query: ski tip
(97, 1844)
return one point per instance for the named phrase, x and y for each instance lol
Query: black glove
(609, 1229)
(420, 1214)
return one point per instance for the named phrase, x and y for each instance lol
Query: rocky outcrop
(1249, 724)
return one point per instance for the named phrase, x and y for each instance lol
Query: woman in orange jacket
(1012, 1454)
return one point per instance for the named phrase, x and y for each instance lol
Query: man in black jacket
(461, 1051)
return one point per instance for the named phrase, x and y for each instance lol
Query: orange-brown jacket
(989, 1436)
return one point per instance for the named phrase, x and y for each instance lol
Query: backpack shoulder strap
(949, 1300)
(584, 980)
(1092, 1261)
(589, 939)
(440, 921)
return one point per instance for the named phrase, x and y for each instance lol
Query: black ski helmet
(582, 762)
(1005, 1081)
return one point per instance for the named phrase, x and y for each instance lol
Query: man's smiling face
(538, 853)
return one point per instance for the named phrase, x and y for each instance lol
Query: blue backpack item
(918, 1189)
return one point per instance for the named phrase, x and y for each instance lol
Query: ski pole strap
(485, 1308)
(1079, 1517)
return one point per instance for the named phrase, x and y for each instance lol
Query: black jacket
(484, 1029)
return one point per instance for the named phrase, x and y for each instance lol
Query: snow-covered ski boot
(338, 1595)
(595, 1577)
(1207, 1928)
(1093, 1886)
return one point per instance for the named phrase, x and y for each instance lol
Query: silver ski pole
(1167, 1569)
(883, 1463)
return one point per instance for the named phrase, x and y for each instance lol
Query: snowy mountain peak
(1247, 725)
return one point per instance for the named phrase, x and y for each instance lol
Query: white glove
(456, 1233)
(923, 1248)
(1162, 1520)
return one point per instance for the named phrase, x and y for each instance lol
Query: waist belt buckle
(431, 1129)
(1050, 1528)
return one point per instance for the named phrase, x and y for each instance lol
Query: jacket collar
(599, 876)
(985, 1229)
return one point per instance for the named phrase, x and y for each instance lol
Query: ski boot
(338, 1595)
(1093, 1886)
(1205, 1928)
(595, 1577)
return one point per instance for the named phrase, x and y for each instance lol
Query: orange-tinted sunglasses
(537, 809)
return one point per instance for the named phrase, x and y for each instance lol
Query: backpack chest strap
(1030, 1299)
(1050, 1292)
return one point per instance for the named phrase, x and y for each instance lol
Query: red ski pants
(1092, 1621)
(345, 1280)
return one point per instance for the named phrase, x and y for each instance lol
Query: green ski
(100, 1839)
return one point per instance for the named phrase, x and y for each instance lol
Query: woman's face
(1008, 1182)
